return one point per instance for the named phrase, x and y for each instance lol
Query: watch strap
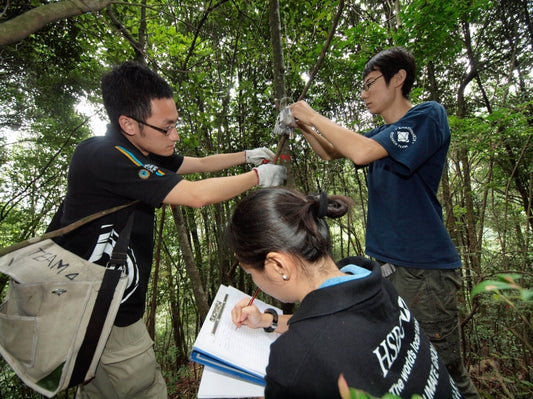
(274, 324)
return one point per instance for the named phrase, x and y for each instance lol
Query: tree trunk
(190, 265)
(278, 68)
(178, 333)
(150, 319)
(473, 248)
(279, 94)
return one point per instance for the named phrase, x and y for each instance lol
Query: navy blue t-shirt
(107, 171)
(405, 225)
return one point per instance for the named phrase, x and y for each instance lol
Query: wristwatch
(274, 324)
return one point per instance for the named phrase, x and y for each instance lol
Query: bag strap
(96, 325)
(120, 250)
(103, 301)
(66, 229)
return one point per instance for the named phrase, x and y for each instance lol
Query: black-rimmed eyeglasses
(166, 131)
(369, 83)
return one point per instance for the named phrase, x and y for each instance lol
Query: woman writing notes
(350, 320)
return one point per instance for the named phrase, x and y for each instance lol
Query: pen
(253, 298)
(250, 303)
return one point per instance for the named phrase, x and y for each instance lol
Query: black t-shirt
(107, 171)
(363, 330)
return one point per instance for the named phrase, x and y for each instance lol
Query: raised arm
(210, 163)
(216, 162)
(359, 149)
(217, 189)
(323, 148)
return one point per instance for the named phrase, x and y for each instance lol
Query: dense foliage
(474, 57)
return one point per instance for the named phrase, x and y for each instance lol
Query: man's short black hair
(129, 88)
(389, 62)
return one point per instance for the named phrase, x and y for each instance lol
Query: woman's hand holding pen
(249, 315)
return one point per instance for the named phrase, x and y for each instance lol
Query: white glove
(258, 155)
(271, 175)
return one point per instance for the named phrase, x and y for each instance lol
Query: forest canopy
(229, 64)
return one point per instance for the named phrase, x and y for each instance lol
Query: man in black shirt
(136, 160)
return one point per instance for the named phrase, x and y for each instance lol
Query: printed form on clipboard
(240, 352)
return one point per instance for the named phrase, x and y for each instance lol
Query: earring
(284, 277)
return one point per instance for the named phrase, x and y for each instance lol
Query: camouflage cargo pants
(432, 297)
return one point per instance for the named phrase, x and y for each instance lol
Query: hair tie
(323, 207)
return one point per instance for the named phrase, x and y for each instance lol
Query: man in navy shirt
(405, 230)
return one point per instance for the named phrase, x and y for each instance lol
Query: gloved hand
(270, 175)
(258, 155)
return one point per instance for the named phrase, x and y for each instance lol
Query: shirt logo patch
(403, 137)
(144, 174)
(133, 158)
(152, 168)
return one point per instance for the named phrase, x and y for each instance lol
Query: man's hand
(302, 113)
(258, 155)
(270, 175)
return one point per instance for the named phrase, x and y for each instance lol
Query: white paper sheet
(244, 347)
(218, 385)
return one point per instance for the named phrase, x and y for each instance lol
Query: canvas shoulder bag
(58, 311)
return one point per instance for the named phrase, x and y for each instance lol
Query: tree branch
(16, 29)
(324, 49)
